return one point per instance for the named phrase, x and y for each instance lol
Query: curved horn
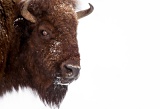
(83, 13)
(26, 14)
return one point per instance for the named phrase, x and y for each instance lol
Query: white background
(119, 45)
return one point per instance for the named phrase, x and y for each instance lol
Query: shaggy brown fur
(29, 57)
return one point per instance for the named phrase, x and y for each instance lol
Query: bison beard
(38, 46)
(54, 93)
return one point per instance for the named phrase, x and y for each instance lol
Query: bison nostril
(72, 71)
(69, 71)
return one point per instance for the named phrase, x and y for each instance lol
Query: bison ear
(84, 13)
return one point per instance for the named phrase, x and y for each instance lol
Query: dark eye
(44, 33)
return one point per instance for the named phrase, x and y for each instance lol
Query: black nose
(70, 71)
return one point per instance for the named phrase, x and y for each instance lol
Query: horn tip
(91, 7)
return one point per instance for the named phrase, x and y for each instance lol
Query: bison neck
(13, 78)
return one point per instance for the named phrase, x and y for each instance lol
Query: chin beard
(54, 95)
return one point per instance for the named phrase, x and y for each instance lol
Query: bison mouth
(61, 81)
(64, 81)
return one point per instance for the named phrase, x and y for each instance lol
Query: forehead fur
(54, 8)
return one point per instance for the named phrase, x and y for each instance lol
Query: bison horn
(26, 14)
(83, 13)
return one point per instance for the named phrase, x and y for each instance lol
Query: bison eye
(44, 33)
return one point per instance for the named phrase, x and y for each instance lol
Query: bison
(38, 46)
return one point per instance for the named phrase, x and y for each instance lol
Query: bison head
(48, 52)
